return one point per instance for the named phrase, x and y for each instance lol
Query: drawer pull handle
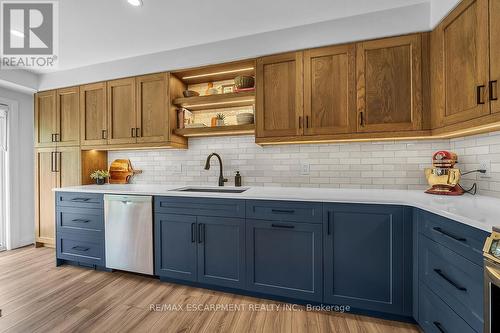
(80, 199)
(80, 248)
(283, 211)
(285, 226)
(450, 281)
(201, 233)
(80, 221)
(439, 326)
(447, 234)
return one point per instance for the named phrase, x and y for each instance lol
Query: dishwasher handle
(128, 199)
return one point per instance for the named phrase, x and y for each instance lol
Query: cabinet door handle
(58, 156)
(138, 132)
(52, 168)
(284, 226)
(361, 119)
(300, 122)
(52, 137)
(449, 235)
(104, 134)
(132, 132)
(439, 326)
(80, 199)
(307, 121)
(493, 96)
(56, 137)
(328, 219)
(80, 221)
(193, 232)
(201, 233)
(449, 280)
(282, 211)
(80, 248)
(479, 91)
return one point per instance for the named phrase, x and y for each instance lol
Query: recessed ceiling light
(135, 3)
(16, 33)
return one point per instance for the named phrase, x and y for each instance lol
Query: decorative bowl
(244, 81)
(190, 93)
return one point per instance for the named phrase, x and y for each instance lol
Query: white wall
(379, 164)
(369, 26)
(440, 9)
(21, 169)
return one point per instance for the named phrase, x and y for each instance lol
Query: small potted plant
(99, 176)
(220, 119)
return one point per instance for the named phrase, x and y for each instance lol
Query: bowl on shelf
(244, 118)
(190, 93)
(244, 82)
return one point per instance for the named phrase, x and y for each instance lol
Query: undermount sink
(211, 190)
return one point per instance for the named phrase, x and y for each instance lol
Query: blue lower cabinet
(175, 246)
(455, 279)
(80, 247)
(284, 259)
(368, 257)
(221, 251)
(435, 316)
(200, 249)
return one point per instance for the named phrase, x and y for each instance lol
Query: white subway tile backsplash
(380, 164)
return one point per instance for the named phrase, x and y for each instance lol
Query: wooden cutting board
(121, 172)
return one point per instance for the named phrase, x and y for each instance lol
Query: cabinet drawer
(437, 317)
(81, 248)
(77, 219)
(198, 206)
(308, 212)
(456, 280)
(466, 241)
(83, 200)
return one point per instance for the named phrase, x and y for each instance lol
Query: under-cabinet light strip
(217, 103)
(219, 73)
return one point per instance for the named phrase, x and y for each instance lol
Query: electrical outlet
(484, 165)
(305, 169)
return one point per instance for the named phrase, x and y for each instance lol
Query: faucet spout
(222, 180)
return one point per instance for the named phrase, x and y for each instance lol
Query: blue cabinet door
(367, 257)
(221, 251)
(284, 259)
(175, 246)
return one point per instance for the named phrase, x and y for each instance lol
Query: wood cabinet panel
(329, 90)
(45, 181)
(68, 123)
(68, 166)
(389, 84)
(463, 38)
(45, 119)
(279, 108)
(494, 89)
(121, 111)
(152, 108)
(93, 112)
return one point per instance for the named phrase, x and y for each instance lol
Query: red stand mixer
(443, 177)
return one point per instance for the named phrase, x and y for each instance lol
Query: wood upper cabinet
(152, 108)
(45, 119)
(68, 112)
(460, 76)
(94, 117)
(389, 88)
(329, 90)
(279, 109)
(494, 90)
(121, 111)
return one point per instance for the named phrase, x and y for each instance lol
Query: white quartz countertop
(482, 212)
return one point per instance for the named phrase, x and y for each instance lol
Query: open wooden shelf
(213, 73)
(216, 131)
(230, 100)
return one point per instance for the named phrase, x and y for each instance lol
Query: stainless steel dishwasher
(129, 233)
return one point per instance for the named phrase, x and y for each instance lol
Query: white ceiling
(97, 31)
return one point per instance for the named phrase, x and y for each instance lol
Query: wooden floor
(36, 296)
